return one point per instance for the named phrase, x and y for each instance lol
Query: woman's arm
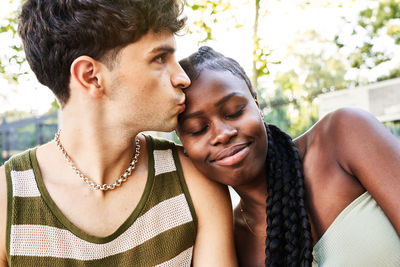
(214, 242)
(368, 151)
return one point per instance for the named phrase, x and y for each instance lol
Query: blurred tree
(378, 23)
(13, 115)
(207, 13)
(12, 58)
(292, 105)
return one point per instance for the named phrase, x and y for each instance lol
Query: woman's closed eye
(199, 131)
(235, 114)
(193, 127)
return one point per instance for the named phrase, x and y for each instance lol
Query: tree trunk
(256, 45)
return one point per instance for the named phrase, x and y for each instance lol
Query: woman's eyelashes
(197, 129)
(234, 114)
(194, 127)
(199, 132)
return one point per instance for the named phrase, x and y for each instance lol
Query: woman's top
(361, 236)
(161, 231)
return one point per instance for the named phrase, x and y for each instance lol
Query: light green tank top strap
(361, 235)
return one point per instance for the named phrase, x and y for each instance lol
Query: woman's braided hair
(289, 240)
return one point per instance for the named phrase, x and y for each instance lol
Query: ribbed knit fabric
(161, 231)
(361, 236)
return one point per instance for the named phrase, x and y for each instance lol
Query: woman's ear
(255, 99)
(86, 72)
(259, 109)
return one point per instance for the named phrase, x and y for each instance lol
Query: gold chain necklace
(93, 185)
(247, 224)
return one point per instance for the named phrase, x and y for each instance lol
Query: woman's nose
(223, 134)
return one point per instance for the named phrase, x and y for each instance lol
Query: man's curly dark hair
(56, 32)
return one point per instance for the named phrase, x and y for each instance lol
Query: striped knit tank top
(161, 231)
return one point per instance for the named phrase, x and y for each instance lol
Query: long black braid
(289, 240)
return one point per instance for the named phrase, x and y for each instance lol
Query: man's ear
(86, 72)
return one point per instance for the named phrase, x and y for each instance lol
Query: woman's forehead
(210, 81)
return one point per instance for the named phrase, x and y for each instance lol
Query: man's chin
(169, 126)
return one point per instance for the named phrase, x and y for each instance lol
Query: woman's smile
(232, 155)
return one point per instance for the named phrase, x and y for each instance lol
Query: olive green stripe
(166, 186)
(20, 162)
(33, 210)
(155, 251)
(165, 246)
(9, 205)
(159, 143)
(184, 185)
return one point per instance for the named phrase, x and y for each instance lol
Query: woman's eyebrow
(190, 115)
(219, 103)
(225, 98)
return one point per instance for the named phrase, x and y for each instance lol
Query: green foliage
(206, 11)
(292, 105)
(54, 107)
(393, 74)
(394, 128)
(16, 58)
(14, 115)
(375, 22)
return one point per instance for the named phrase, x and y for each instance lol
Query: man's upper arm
(3, 216)
(214, 242)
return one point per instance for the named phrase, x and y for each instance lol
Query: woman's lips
(232, 155)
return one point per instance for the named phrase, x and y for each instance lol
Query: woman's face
(222, 129)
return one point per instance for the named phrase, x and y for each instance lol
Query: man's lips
(182, 107)
(232, 155)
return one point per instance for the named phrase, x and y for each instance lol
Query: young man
(101, 194)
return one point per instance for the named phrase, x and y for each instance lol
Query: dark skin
(345, 154)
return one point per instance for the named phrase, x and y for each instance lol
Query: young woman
(333, 193)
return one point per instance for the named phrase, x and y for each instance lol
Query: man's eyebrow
(163, 48)
(225, 98)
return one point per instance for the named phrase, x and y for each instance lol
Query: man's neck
(100, 150)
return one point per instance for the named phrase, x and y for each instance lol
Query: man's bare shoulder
(3, 216)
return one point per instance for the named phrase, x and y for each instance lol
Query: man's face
(145, 88)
